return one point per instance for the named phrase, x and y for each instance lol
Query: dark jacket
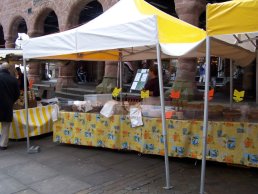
(153, 86)
(21, 81)
(9, 94)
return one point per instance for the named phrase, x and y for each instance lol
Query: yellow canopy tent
(236, 23)
(232, 17)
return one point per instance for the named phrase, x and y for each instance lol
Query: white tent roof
(131, 28)
(4, 52)
(124, 26)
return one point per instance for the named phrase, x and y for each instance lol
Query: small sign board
(140, 80)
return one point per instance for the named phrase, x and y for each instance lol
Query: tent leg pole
(121, 65)
(205, 117)
(256, 72)
(231, 83)
(30, 149)
(26, 104)
(117, 75)
(168, 186)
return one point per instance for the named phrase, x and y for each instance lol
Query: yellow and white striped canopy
(131, 29)
(232, 17)
(130, 26)
(234, 22)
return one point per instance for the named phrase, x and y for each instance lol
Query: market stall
(233, 22)
(40, 118)
(140, 32)
(40, 122)
(136, 34)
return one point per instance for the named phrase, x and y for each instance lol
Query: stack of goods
(231, 114)
(31, 99)
(81, 106)
(97, 101)
(195, 111)
(253, 115)
(20, 103)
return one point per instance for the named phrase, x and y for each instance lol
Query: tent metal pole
(121, 73)
(168, 186)
(206, 112)
(117, 75)
(256, 71)
(231, 83)
(30, 149)
(26, 104)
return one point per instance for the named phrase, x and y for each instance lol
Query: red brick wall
(12, 11)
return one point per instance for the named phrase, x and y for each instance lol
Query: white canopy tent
(130, 30)
(236, 23)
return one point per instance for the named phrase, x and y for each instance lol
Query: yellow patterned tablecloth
(229, 142)
(40, 122)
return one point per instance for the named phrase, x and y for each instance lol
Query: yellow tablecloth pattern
(229, 142)
(40, 122)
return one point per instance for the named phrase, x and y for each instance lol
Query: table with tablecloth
(229, 142)
(40, 122)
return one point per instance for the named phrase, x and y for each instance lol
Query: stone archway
(90, 11)
(51, 23)
(81, 13)
(18, 25)
(2, 41)
(46, 23)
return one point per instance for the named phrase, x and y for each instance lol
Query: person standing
(21, 79)
(9, 94)
(81, 74)
(202, 73)
(153, 81)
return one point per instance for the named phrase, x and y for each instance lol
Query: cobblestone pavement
(67, 169)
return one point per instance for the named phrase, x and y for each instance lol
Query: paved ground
(67, 169)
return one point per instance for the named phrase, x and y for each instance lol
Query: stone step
(79, 91)
(69, 96)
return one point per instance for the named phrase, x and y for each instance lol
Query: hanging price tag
(116, 92)
(145, 94)
(211, 94)
(169, 114)
(175, 94)
(238, 96)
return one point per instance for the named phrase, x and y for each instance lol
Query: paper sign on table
(145, 94)
(175, 94)
(238, 96)
(116, 92)
(136, 117)
(211, 94)
(169, 114)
